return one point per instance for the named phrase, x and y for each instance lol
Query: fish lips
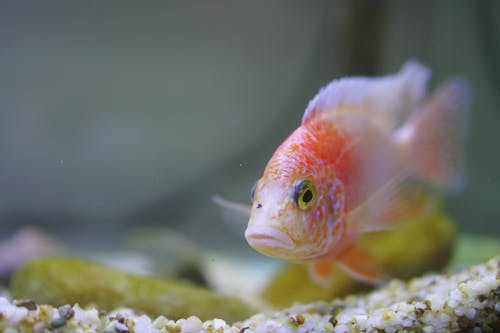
(269, 241)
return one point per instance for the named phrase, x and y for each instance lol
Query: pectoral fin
(235, 215)
(321, 273)
(394, 203)
(357, 262)
(232, 206)
(361, 265)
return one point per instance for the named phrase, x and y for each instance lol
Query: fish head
(296, 209)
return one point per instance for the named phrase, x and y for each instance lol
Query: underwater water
(119, 122)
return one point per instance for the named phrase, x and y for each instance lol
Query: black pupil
(307, 196)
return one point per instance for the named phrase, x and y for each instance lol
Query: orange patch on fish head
(298, 203)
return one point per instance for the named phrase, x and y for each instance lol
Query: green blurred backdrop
(116, 114)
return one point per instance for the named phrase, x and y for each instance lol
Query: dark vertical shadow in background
(489, 41)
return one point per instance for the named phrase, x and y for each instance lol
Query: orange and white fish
(356, 165)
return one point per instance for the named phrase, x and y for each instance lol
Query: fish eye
(304, 193)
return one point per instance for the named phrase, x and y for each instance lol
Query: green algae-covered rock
(466, 301)
(59, 281)
(417, 246)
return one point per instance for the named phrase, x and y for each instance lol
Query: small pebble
(58, 322)
(28, 304)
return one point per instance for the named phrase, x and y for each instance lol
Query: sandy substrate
(466, 301)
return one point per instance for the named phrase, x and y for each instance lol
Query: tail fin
(439, 134)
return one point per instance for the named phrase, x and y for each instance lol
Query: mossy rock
(58, 281)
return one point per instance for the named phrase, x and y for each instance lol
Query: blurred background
(120, 115)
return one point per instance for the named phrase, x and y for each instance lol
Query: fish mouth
(268, 240)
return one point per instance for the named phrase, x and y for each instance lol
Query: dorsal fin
(390, 97)
(396, 202)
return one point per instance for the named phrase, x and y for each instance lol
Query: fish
(366, 152)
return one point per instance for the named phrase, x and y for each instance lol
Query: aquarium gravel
(466, 301)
